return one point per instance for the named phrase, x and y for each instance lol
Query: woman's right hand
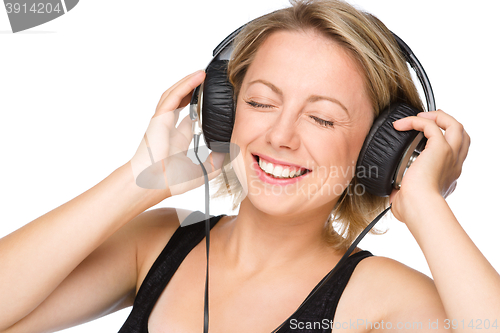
(161, 161)
(95, 230)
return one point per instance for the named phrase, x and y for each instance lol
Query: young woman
(309, 82)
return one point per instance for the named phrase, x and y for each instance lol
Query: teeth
(285, 173)
(278, 171)
(268, 168)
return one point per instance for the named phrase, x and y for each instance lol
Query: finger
(429, 127)
(191, 175)
(169, 90)
(178, 94)
(186, 127)
(212, 164)
(454, 131)
(464, 149)
(451, 189)
(185, 101)
(177, 114)
(393, 193)
(179, 144)
(181, 83)
(216, 160)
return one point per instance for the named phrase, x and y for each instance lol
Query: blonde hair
(387, 80)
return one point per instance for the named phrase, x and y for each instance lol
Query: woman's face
(302, 105)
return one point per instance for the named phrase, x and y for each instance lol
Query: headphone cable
(207, 227)
(337, 266)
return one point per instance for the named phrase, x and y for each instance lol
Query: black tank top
(318, 311)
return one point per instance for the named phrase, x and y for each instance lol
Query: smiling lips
(279, 171)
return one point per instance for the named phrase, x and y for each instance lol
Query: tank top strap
(323, 304)
(183, 240)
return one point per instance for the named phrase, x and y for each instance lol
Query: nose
(283, 131)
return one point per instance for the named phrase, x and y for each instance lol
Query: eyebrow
(311, 99)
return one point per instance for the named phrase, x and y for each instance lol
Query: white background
(77, 93)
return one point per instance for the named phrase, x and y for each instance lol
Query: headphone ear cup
(217, 115)
(383, 150)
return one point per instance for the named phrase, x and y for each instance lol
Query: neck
(255, 240)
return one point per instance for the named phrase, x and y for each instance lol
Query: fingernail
(395, 122)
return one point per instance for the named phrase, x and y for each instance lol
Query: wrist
(423, 211)
(140, 198)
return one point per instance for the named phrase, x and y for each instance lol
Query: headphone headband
(224, 49)
(419, 69)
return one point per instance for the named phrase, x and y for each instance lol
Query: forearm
(468, 285)
(35, 259)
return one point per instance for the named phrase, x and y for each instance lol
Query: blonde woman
(309, 82)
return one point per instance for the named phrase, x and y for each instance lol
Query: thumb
(393, 194)
(216, 160)
(186, 128)
(191, 176)
(213, 164)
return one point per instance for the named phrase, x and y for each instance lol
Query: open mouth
(278, 171)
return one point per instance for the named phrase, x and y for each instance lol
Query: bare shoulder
(390, 270)
(153, 229)
(393, 292)
(391, 275)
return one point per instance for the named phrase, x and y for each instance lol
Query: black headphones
(386, 153)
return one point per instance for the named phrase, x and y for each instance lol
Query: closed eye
(258, 105)
(322, 122)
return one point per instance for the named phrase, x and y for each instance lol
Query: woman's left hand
(437, 168)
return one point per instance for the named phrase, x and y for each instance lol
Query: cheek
(248, 126)
(239, 167)
(237, 127)
(338, 154)
(341, 159)
(243, 134)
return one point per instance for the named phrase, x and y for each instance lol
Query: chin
(276, 206)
